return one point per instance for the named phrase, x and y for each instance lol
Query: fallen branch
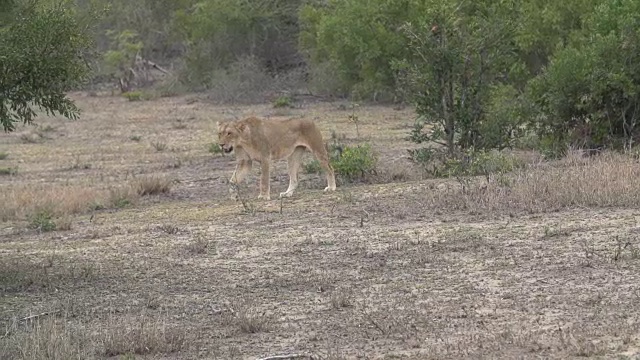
(288, 357)
(31, 317)
(157, 67)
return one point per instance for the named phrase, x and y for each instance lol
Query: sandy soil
(368, 272)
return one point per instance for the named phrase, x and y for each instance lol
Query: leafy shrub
(460, 54)
(124, 47)
(283, 101)
(42, 220)
(588, 95)
(215, 148)
(9, 171)
(31, 74)
(350, 163)
(362, 59)
(355, 163)
(221, 32)
(312, 167)
(466, 164)
(134, 95)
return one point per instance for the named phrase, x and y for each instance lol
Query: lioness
(264, 141)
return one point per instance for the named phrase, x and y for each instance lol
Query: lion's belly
(283, 153)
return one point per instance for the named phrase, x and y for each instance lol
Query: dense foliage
(44, 51)
(481, 74)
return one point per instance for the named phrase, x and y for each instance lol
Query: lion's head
(230, 134)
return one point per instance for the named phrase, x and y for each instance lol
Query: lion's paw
(286, 194)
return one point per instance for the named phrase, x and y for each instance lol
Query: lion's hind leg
(320, 152)
(293, 163)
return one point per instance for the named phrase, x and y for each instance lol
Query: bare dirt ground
(373, 271)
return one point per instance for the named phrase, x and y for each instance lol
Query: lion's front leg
(243, 167)
(265, 180)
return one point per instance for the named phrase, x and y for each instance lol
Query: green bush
(215, 148)
(351, 163)
(460, 57)
(471, 163)
(359, 40)
(355, 163)
(45, 53)
(588, 95)
(312, 167)
(10, 171)
(135, 95)
(221, 32)
(282, 102)
(42, 220)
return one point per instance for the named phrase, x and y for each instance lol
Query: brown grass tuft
(199, 245)
(603, 181)
(144, 337)
(45, 338)
(20, 274)
(152, 185)
(20, 201)
(123, 196)
(248, 319)
(341, 299)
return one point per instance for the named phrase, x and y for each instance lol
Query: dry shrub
(247, 82)
(42, 274)
(602, 181)
(144, 337)
(247, 318)
(123, 196)
(20, 201)
(61, 201)
(152, 185)
(45, 338)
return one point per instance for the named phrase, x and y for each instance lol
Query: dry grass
(8, 171)
(152, 185)
(45, 272)
(341, 299)
(398, 267)
(60, 201)
(43, 339)
(604, 181)
(21, 201)
(247, 318)
(199, 245)
(141, 336)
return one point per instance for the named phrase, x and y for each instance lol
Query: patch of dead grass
(45, 338)
(61, 201)
(20, 274)
(152, 185)
(199, 245)
(20, 201)
(604, 181)
(248, 319)
(141, 336)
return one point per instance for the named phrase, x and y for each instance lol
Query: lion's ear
(242, 126)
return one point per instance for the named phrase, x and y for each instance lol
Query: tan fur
(255, 139)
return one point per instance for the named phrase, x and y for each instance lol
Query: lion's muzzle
(227, 148)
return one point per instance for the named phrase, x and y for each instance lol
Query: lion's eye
(229, 133)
